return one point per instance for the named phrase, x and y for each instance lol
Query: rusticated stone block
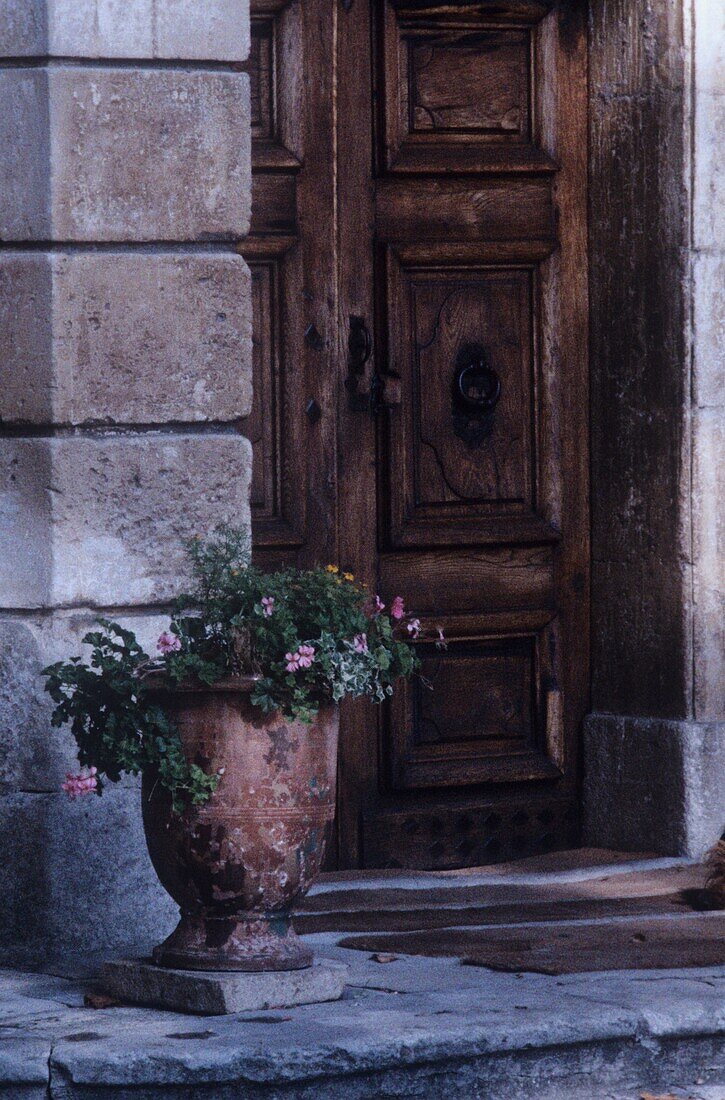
(124, 154)
(24, 27)
(35, 756)
(25, 200)
(100, 521)
(653, 785)
(60, 858)
(217, 30)
(124, 337)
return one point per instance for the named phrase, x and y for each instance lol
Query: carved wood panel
(422, 165)
(291, 278)
(459, 87)
(477, 221)
(478, 712)
(460, 474)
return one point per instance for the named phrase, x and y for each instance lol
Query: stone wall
(655, 744)
(125, 338)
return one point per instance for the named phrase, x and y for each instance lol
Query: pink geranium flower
(413, 627)
(397, 608)
(168, 643)
(77, 785)
(360, 643)
(306, 655)
(374, 606)
(268, 605)
(302, 658)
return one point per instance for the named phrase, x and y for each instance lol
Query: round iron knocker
(475, 392)
(477, 386)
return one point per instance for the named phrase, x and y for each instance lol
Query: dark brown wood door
(421, 191)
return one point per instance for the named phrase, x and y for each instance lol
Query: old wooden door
(420, 234)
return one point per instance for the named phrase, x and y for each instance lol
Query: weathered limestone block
(124, 154)
(217, 993)
(653, 785)
(708, 523)
(100, 520)
(24, 27)
(709, 328)
(35, 756)
(25, 162)
(708, 213)
(76, 881)
(217, 30)
(709, 22)
(124, 337)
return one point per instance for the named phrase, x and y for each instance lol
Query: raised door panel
(480, 711)
(462, 449)
(480, 217)
(290, 251)
(459, 88)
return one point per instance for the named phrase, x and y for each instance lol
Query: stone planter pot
(236, 865)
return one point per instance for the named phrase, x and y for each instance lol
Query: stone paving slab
(410, 1028)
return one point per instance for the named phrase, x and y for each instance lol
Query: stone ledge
(124, 337)
(216, 994)
(415, 1028)
(653, 784)
(117, 154)
(217, 30)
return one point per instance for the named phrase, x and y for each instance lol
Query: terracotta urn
(237, 865)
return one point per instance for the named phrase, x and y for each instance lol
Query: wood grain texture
(291, 251)
(421, 166)
(639, 224)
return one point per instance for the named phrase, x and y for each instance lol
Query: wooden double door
(418, 251)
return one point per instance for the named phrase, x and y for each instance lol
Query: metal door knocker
(475, 391)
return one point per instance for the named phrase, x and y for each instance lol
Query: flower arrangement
(308, 637)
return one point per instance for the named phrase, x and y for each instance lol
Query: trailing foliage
(307, 636)
(116, 726)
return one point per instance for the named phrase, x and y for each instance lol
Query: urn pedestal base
(245, 942)
(205, 993)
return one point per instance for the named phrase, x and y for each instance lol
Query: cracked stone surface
(412, 1027)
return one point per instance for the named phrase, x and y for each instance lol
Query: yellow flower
(348, 576)
(332, 568)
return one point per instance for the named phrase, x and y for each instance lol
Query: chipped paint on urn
(236, 865)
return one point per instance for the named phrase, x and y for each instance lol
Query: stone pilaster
(125, 344)
(655, 744)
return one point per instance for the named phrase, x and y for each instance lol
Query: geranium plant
(308, 637)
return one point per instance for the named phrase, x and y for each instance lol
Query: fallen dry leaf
(659, 1096)
(100, 1000)
(381, 957)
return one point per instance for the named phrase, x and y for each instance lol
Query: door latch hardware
(475, 393)
(359, 350)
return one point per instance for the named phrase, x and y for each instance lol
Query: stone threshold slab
(219, 993)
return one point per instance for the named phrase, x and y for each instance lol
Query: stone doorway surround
(125, 338)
